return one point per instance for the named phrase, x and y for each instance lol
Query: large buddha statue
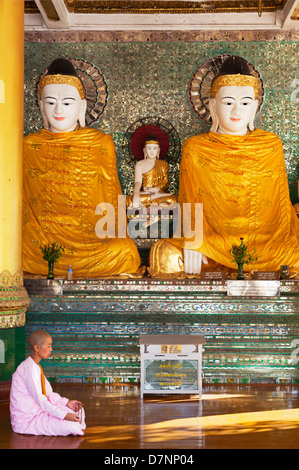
(238, 173)
(70, 169)
(151, 178)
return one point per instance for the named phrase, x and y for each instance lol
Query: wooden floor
(227, 417)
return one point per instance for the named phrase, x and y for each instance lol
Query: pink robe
(32, 412)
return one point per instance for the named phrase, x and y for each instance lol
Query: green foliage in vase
(240, 254)
(52, 251)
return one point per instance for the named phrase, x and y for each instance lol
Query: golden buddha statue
(70, 169)
(151, 178)
(238, 174)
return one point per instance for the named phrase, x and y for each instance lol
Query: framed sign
(171, 375)
(171, 364)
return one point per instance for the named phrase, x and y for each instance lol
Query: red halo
(139, 136)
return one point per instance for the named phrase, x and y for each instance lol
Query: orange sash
(43, 380)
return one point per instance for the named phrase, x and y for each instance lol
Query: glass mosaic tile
(98, 336)
(150, 78)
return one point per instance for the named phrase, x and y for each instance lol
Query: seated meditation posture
(151, 178)
(69, 170)
(34, 407)
(238, 174)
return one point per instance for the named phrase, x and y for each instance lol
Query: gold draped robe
(242, 183)
(158, 177)
(66, 175)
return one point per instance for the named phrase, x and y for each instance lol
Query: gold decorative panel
(139, 6)
(142, 6)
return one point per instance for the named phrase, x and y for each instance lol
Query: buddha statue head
(151, 147)
(233, 104)
(62, 100)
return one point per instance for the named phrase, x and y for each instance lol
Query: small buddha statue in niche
(69, 169)
(151, 178)
(238, 173)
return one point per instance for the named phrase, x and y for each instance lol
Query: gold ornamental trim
(167, 7)
(12, 319)
(152, 142)
(61, 80)
(30, 7)
(234, 80)
(7, 279)
(175, 7)
(14, 299)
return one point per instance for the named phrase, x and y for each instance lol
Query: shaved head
(38, 337)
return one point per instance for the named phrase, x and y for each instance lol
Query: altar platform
(96, 323)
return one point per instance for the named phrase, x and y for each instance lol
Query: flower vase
(50, 270)
(240, 271)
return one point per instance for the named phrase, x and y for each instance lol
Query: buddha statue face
(151, 150)
(62, 107)
(233, 110)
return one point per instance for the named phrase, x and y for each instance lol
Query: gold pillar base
(14, 300)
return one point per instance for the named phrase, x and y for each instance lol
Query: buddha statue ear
(212, 108)
(45, 120)
(252, 115)
(82, 113)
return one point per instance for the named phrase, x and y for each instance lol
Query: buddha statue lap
(238, 174)
(70, 169)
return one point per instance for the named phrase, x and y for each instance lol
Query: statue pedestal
(253, 288)
(151, 223)
(96, 325)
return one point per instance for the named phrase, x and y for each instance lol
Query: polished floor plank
(227, 417)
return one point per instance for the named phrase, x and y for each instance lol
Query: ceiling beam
(286, 20)
(55, 14)
(180, 21)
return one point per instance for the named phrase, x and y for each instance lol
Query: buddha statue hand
(153, 190)
(136, 202)
(193, 261)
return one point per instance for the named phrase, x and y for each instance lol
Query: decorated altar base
(96, 324)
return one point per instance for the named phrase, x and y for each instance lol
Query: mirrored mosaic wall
(149, 76)
(96, 328)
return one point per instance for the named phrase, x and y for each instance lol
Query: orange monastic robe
(66, 175)
(157, 176)
(242, 183)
